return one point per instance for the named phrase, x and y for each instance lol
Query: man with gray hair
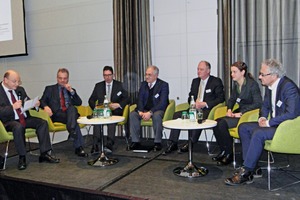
(281, 103)
(152, 102)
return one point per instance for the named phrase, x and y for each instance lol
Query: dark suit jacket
(249, 98)
(51, 98)
(213, 94)
(118, 95)
(160, 96)
(6, 109)
(287, 102)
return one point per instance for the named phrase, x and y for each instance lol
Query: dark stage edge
(135, 176)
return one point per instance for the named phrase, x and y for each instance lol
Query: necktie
(62, 100)
(19, 112)
(108, 93)
(199, 97)
(150, 85)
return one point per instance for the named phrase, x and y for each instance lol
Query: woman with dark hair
(246, 94)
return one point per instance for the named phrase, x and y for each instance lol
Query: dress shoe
(227, 159)
(45, 157)
(1, 162)
(172, 147)
(241, 177)
(184, 148)
(95, 149)
(157, 147)
(133, 146)
(80, 152)
(22, 163)
(219, 157)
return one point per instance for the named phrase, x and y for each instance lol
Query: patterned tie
(199, 97)
(62, 100)
(108, 93)
(19, 112)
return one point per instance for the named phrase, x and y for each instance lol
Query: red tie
(19, 112)
(62, 100)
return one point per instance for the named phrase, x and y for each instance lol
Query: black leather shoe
(133, 146)
(1, 162)
(241, 177)
(80, 152)
(184, 148)
(48, 158)
(95, 149)
(22, 163)
(172, 147)
(157, 147)
(227, 159)
(219, 157)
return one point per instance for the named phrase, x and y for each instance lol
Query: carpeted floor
(150, 175)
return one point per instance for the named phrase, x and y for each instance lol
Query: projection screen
(12, 28)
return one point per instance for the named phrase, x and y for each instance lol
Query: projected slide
(12, 28)
(5, 21)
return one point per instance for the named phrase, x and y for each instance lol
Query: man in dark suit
(152, 102)
(208, 92)
(118, 98)
(12, 96)
(281, 102)
(59, 102)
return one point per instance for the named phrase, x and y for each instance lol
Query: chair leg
(207, 143)
(270, 159)
(233, 151)
(5, 155)
(30, 149)
(53, 134)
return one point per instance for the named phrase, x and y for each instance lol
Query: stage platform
(136, 176)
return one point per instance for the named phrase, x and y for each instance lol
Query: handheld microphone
(19, 95)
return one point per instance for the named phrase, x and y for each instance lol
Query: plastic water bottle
(193, 111)
(106, 110)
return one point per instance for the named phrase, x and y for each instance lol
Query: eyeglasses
(263, 75)
(15, 81)
(107, 75)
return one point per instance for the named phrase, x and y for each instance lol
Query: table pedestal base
(103, 161)
(190, 171)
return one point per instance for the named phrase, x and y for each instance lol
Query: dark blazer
(160, 96)
(249, 98)
(51, 98)
(213, 94)
(287, 102)
(118, 95)
(6, 109)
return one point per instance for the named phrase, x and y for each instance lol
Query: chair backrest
(286, 138)
(4, 136)
(44, 115)
(211, 114)
(222, 110)
(182, 107)
(250, 116)
(169, 111)
(125, 115)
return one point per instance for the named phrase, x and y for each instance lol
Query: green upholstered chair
(250, 116)
(8, 136)
(286, 141)
(55, 127)
(124, 123)
(167, 116)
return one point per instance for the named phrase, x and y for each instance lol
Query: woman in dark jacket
(246, 94)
